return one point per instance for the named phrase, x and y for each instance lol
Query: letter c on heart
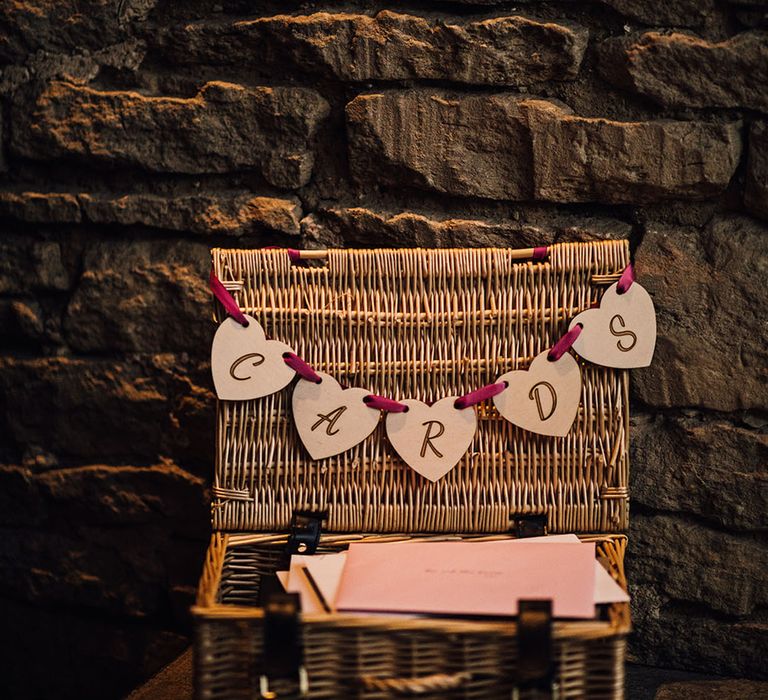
(240, 360)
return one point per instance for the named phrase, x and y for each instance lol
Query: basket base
(382, 656)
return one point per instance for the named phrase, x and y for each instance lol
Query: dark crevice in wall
(755, 536)
(693, 609)
(754, 418)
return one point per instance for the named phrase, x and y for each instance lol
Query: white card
(607, 590)
(544, 398)
(245, 365)
(432, 439)
(621, 333)
(325, 569)
(329, 419)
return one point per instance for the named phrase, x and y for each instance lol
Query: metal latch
(303, 538)
(283, 648)
(530, 525)
(305, 532)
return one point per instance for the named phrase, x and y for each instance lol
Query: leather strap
(535, 662)
(283, 650)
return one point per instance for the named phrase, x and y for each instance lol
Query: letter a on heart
(432, 439)
(245, 365)
(331, 420)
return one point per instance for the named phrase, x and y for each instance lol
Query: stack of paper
(454, 578)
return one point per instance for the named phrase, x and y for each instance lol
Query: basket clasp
(283, 645)
(304, 536)
(530, 525)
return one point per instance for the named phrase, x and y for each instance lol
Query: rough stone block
(363, 226)
(100, 573)
(3, 163)
(731, 689)
(690, 563)
(679, 70)
(65, 25)
(473, 145)
(505, 50)
(697, 594)
(224, 127)
(756, 187)
(22, 321)
(29, 265)
(230, 213)
(675, 13)
(685, 636)
(111, 657)
(226, 212)
(709, 290)
(578, 159)
(129, 411)
(80, 68)
(163, 495)
(504, 146)
(142, 296)
(708, 468)
(41, 207)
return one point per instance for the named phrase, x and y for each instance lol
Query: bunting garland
(431, 439)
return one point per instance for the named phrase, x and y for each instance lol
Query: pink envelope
(460, 578)
(606, 588)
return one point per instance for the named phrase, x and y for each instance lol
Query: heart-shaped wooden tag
(621, 332)
(331, 420)
(245, 365)
(544, 398)
(432, 439)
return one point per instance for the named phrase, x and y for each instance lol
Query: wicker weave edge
(611, 548)
(208, 588)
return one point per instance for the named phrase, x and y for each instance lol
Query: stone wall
(137, 134)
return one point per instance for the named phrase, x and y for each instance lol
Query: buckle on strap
(303, 536)
(306, 527)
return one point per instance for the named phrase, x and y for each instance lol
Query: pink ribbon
(626, 279)
(478, 395)
(293, 255)
(540, 252)
(226, 299)
(301, 368)
(563, 345)
(382, 403)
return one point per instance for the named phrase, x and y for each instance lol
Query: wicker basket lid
(424, 324)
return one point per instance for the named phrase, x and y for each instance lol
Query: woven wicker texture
(424, 324)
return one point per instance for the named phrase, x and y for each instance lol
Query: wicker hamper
(422, 324)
